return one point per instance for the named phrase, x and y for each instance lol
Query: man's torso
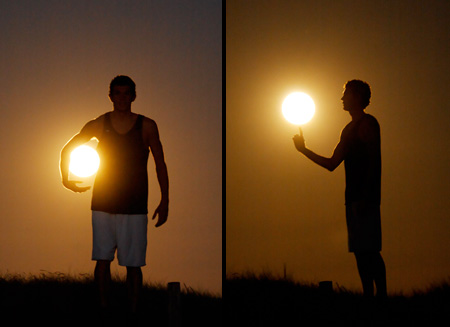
(362, 161)
(121, 184)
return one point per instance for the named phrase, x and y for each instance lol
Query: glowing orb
(298, 108)
(84, 161)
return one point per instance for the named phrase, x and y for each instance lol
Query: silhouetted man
(120, 193)
(359, 148)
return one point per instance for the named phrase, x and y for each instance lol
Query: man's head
(122, 92)
(122, 80)
(356, 95)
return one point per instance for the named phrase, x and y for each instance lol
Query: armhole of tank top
(105, 121)
(140, 123)
(140, 127)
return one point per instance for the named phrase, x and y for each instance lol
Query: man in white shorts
(120, 193)
(359, 148)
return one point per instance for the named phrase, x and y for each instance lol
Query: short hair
(122, 80)
(362, 89)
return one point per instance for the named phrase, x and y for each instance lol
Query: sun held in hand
(84, 161)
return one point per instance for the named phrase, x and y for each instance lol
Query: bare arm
(327, 163)
(87, 132)
(151, 136)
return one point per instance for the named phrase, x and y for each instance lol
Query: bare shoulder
(148, 122)
(149, 126)
(370, 121)
(94, 127)
(150, 131)
(369, 129)
(346, 131)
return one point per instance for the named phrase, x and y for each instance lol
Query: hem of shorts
(134, 266)
(120, 264)
(120, 212)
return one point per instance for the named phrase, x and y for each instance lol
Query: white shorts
(126, 233)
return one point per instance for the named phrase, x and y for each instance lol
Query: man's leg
(372, 269)
(379, 275)
(363, 261)
(134, 286)
(102, 275)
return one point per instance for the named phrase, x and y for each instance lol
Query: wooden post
(174, 304)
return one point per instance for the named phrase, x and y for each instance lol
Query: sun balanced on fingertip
(298, 108)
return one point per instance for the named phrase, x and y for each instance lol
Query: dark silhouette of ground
(56, 300)
(267, 301)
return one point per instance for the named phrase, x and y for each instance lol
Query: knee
(102, 265)
(362, 257)
(367, 256)
(134, 270)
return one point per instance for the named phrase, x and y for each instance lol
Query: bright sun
(298, 108)
(84, 161)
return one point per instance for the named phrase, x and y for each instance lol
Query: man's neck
(357, 114)
(122, 113)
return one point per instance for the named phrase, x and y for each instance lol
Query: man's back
(362, 160)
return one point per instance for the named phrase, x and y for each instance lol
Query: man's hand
(71, 185)
(162, 211)
(299, 141)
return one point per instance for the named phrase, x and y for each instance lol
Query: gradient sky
(57, 60)
(281, 208)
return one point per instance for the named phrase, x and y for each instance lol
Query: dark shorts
(363, 227)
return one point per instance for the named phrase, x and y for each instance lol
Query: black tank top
(121, 184)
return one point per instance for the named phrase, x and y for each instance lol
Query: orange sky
(57, 60)
(284, 210)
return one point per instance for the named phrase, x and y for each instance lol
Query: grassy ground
(58, 299)
(265, 300)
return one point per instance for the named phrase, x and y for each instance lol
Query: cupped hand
(72, 185)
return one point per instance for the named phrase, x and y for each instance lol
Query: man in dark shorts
(359, 148)
(120, 193)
